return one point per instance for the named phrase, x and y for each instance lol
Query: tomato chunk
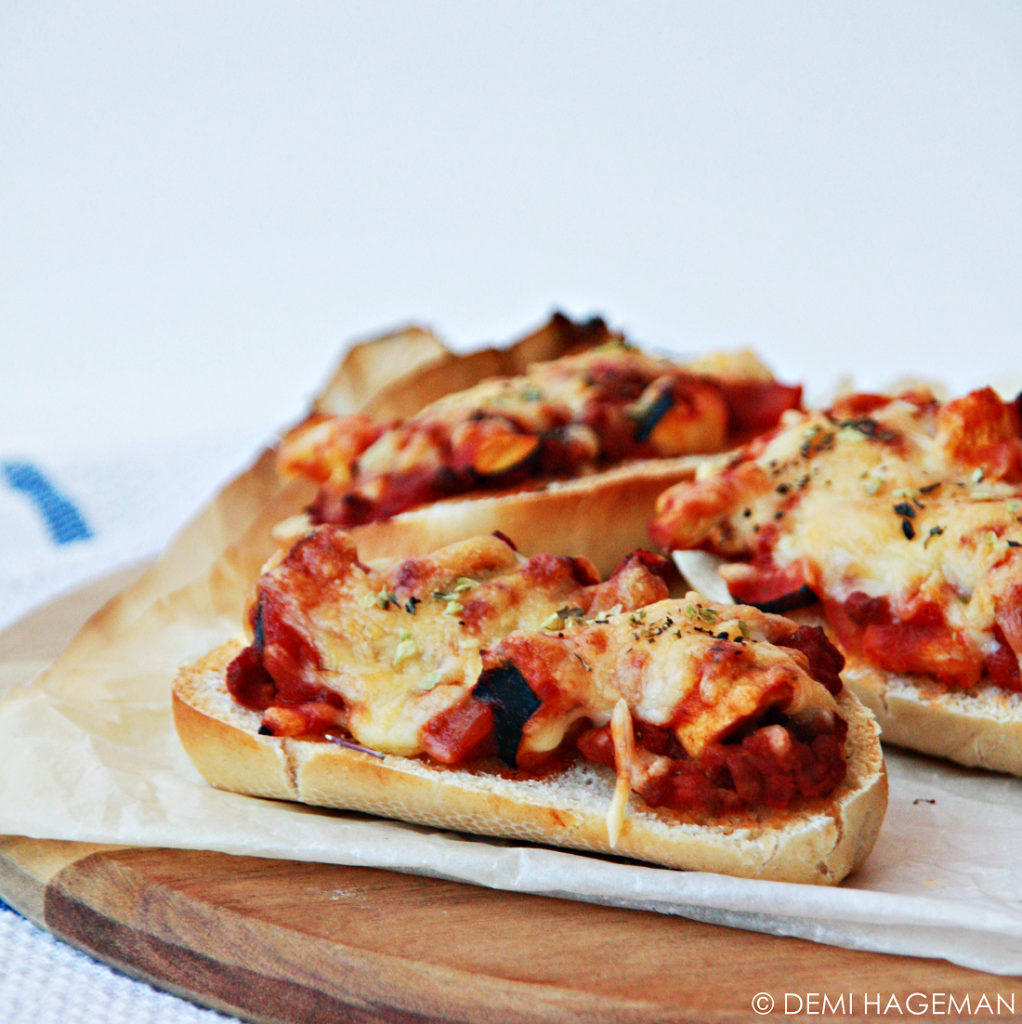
(756, 406)
(770, 588)
(1002, 666)
(923, 644)
(459, 733)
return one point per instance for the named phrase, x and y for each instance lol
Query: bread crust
(601, 517)
(980, 727)
(818, 844)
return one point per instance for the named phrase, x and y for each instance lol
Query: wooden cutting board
(291, 942)
(274, 941)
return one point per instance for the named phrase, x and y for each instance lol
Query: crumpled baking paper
(90, 754)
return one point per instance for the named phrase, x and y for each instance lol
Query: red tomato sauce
(923, 644)
(732, 777)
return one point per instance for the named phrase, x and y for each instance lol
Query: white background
(200, 203)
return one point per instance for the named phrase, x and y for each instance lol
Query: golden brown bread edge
(980, 727)
(602, 517)
(818, 844)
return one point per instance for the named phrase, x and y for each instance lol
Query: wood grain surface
(280, 941)
(292, 942)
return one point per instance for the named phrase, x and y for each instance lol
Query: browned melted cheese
(902, 515)
(401, 643)
(392, 646)
(694, 668)
(569, 417)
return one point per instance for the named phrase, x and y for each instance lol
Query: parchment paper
(90, 754)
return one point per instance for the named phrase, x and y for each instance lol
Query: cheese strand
(624, 751)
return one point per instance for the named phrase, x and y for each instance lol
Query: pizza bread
(896, 523)
(565, 454)
(821, 844)
(479, 690)
(600, 517)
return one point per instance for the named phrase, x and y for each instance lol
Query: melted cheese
(400, 642)
(624, 758)
(696, 668)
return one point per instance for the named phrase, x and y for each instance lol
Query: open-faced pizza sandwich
(475, 689)
(568, 455)
(897, 523)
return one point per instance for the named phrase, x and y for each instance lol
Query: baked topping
(390, 646)
(567, 418)
(902, 516)
(474, 651)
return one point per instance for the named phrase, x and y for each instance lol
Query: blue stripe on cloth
(63, 520)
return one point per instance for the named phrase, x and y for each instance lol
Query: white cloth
(130, 503)
(43, 981)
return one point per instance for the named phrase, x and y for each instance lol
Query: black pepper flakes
(908, 529)
(905, 509)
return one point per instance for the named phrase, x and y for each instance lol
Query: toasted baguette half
(602, 517)
(980, 727)
(819, 843)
